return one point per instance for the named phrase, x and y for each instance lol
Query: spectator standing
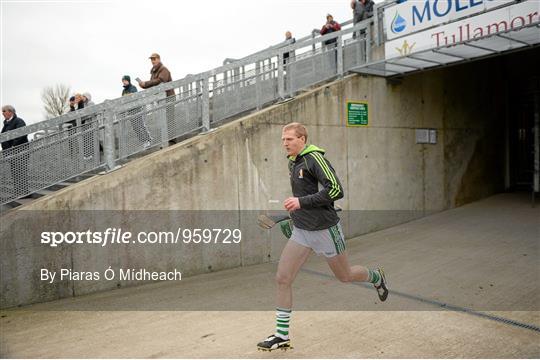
(362, 10)
(330, 27)
(87, 99)
(76, 103)
(135, 114)
(160, 74)
(289, 40)
(129, 88)
(90, 130)
(18, 155)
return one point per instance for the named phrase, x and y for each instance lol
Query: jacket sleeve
(323, 30)
(23, 139)
(337, 27)
(163, 76)
(151, 82)
(326, 176)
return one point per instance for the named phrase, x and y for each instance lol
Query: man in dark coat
(18, 155)
(129, 88)
(136, 114)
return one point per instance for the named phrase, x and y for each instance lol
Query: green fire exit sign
(357, 113)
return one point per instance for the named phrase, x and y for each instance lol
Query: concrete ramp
(240, 166)
(465, 283)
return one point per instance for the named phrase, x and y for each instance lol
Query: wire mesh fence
(101, 135)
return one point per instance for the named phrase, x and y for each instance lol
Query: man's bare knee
(283, 279)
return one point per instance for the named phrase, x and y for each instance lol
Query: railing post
(236, 78)
(340, 56)
(258, 81)
(376, 25)
(109, 143)
(161, 118)
(281, 79)
(205, 104)
(368, 43)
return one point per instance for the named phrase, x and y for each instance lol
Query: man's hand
(291, 204)
(141, 83)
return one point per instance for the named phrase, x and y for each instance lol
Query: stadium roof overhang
(490, 45)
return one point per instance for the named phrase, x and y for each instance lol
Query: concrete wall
(387, 177)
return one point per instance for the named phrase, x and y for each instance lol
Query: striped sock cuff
(284, 310)
(374, 277)
(283, 316)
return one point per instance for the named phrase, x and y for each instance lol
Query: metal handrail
(155, 91)
(314, 32)
(121, 126)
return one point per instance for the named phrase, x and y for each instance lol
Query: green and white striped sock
(282, 323)
(374, 277)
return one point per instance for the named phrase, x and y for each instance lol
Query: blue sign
(411, 16)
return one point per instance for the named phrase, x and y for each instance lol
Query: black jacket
(129, 89)
(13, 124)
(307, 170)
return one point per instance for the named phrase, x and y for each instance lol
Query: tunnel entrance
(522, 142)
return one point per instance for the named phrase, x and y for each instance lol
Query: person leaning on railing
(18, 159)
(78, 102)
(90, 134)
(330, 27)
(160, 74)
(75, 103)
(362, 10)
(289, 40)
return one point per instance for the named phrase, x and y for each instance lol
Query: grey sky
(89, 45)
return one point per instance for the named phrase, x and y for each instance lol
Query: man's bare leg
(339, 265)
(292, 258)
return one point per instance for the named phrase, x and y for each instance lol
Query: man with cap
(160, 74)
(136, 119)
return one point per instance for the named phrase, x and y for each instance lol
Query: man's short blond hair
(299, 129)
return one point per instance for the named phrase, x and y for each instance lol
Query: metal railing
(104, 135)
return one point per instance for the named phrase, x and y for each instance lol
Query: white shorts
(328, 242)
